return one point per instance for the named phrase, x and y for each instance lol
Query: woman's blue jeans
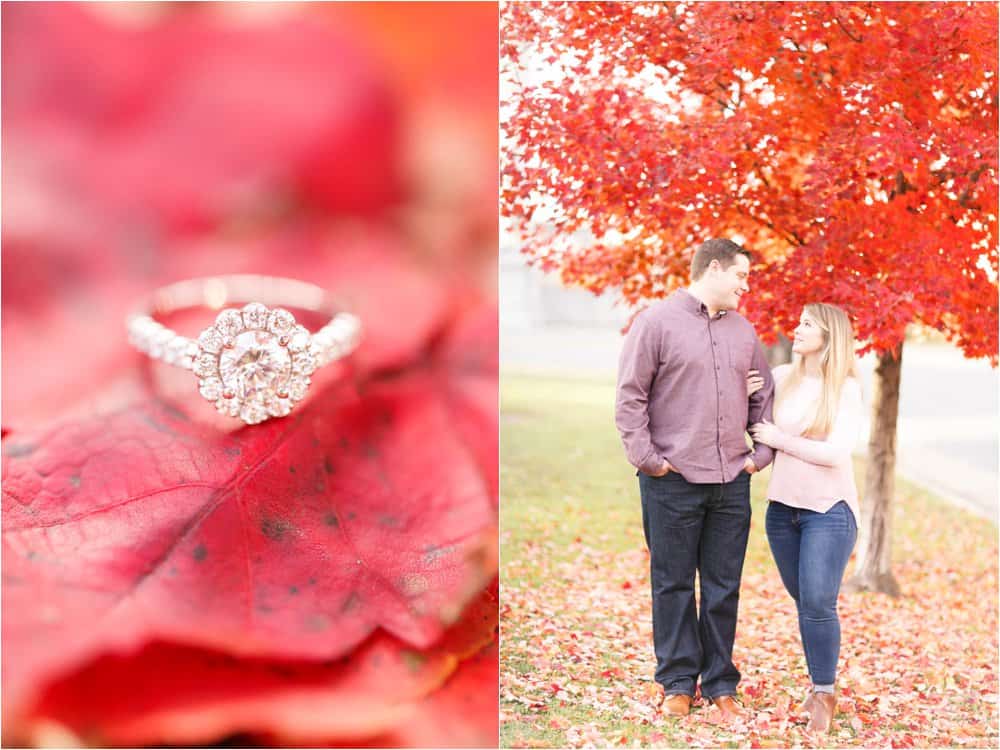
(811, 550)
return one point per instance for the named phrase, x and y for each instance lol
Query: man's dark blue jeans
(691, 527)
(812, 550)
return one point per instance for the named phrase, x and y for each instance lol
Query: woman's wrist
(780, 439)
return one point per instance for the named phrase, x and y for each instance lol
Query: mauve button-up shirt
(682, 391)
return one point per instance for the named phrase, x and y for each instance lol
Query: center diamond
(255, 366)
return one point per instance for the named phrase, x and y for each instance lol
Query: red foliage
(182, 694)
(852, 145)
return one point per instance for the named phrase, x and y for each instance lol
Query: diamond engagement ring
(254, 362)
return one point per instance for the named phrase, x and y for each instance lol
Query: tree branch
(843, 28)
(790, 236)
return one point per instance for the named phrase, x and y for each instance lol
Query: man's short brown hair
(724, 251)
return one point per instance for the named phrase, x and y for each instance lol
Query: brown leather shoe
(821, 711)
(676, 705)
(730, 709)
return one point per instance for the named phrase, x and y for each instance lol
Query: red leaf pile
(171, 577)
(917, 671)
(910, 674)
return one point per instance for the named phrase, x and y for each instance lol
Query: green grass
(562, 463)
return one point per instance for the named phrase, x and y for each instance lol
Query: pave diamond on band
(254, 362)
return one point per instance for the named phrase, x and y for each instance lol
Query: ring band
(253, 363)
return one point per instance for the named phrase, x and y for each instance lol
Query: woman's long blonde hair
(837, 363)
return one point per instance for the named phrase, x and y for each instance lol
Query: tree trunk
(873, 568)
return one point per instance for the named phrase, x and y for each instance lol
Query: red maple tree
(852, 146)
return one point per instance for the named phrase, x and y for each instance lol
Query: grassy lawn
(576, 654)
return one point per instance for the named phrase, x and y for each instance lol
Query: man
(682, 411)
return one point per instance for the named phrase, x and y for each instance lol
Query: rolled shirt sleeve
(761, 406)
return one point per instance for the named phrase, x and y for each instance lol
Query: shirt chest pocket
(740, 355)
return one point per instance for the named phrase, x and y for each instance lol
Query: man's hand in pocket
(664, 470)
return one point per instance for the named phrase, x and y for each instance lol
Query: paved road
(948, 423)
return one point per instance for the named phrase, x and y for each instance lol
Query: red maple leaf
(167, 693)
(462, 714)
(296, 538)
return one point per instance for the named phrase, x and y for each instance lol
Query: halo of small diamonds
(254, 363)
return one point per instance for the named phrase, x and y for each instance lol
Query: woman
(812, 511)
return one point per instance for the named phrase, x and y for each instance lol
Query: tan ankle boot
(676, 705)
(821, 710)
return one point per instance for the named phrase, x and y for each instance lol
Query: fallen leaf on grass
(610, 621)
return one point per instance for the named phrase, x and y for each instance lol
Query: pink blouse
(815, 474)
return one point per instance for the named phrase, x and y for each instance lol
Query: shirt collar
(694, 305)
